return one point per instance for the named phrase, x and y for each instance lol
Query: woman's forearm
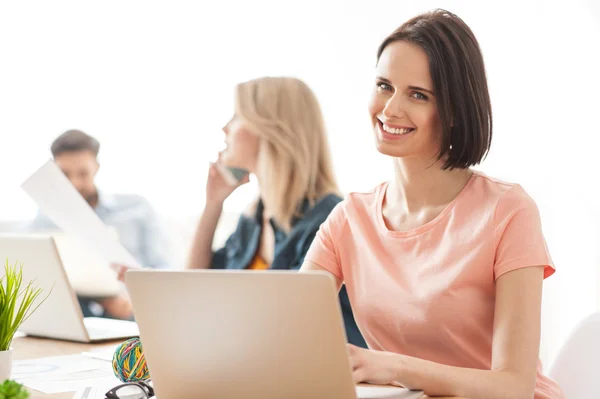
(201, 252)
(441, 380)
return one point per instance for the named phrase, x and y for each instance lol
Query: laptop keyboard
(107, 328)
(97, 332)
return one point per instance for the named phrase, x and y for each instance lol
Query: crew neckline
(424, 227)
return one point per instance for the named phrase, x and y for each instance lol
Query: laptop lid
(238, 334)
(60, 315)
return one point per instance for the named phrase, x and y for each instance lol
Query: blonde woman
(277, 134)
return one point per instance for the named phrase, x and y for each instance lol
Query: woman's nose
(394, 108)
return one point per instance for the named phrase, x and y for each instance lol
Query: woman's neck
(421, 183)
(267, 213)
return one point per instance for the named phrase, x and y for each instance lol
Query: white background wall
(153, 81)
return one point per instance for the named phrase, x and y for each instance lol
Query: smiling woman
(414, 85)
(156, 87)
(443, 265)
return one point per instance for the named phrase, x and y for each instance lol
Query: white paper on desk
(91, 393)
(365, 392)
(60, 201)
(63, 373)
(104, 352)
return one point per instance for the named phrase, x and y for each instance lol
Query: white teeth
(396, 131)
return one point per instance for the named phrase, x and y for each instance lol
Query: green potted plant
(13, 390)
(17, 303)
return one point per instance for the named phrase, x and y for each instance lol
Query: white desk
(29, 348)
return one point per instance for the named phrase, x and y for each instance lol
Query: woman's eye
(419, 96)
(381, 86)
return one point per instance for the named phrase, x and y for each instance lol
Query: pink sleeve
(323, 250)
(519, 235)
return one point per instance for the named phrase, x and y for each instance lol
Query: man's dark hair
(73, 141)
(459, 83)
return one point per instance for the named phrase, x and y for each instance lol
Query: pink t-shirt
(430, 292)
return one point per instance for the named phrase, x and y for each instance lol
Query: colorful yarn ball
(129, 363)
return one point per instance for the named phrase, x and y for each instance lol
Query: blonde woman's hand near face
(217, 191)
(217, 188)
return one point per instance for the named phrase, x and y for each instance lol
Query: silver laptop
(239, 334)
(60, 315)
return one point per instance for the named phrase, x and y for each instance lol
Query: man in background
(132, 216)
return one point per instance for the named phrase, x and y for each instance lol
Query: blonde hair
(294, 160)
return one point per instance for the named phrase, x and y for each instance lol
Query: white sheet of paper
(104, 352)
(91, 393)
(60, 201)
(63, 373)
(365, 392)
(89, 274)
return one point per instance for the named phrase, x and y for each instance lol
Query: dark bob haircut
(459, 84)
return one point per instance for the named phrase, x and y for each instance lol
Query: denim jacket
(290, 249)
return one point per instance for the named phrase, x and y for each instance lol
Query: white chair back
(577, 366)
